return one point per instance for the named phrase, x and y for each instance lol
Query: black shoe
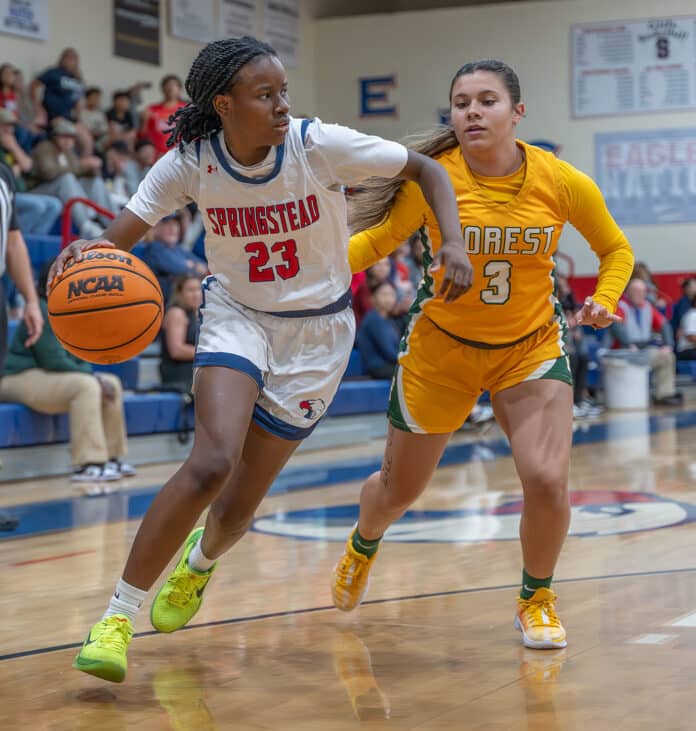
(676, 399)
(8, 522)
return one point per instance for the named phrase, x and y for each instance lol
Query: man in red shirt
(155, 120)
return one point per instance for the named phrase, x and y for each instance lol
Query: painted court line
(52, 558)
(688, 620)
(655, 639)
(314, 610)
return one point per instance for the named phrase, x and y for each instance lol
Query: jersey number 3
(498, 290)
(260, 267)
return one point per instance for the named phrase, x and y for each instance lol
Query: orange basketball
(106, 308)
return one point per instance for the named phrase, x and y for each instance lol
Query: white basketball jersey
(279, 242)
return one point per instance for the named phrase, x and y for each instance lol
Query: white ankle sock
(126, 600)
(197, 560)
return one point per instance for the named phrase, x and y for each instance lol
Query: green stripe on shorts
(559, 371)
(394, 413)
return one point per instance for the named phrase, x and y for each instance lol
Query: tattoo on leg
(387, 464)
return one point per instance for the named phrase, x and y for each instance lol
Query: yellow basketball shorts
(439, 379)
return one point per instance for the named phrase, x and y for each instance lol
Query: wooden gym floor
(433, 646)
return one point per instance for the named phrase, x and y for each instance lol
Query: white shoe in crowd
(586, 410)
(95, 473)
(124, 468)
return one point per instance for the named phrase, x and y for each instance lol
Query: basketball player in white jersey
(276, 326)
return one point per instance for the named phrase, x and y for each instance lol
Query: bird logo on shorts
(212, 169)
(313, 407)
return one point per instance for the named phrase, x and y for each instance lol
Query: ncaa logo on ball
(92, 285)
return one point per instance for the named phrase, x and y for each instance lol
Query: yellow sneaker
(353, 665)
(103, 653)
(182, 594)
(350, 577)
(538, 622)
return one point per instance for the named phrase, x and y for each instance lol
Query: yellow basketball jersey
(511, 228)
(510, 246)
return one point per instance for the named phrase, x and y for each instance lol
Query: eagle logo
(313, 408)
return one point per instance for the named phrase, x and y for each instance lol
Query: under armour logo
(212, 169)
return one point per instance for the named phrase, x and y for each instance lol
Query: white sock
(197, 560)
(126, 600)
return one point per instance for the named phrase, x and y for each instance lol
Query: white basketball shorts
(297, 359)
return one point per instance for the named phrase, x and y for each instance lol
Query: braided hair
(213, 72)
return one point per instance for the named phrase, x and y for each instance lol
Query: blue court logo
(593, 513)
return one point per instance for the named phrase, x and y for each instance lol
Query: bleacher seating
(158, 413)
(128, 372)
(687, 368)
(145, 414)
(41, 249)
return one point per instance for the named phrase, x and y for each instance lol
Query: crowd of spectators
(62, 142)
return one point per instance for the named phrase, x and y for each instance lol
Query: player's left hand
(596, 315)
(34, 321)
(459, 274)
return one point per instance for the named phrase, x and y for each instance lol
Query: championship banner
(193, 20)
(137, 30)
(648, 177)
(237, 18)
(282, 29)
(27, 18)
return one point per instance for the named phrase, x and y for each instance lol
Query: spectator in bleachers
(60, 172)
(414, 260)
(379, 333)
(26, 113)
(167, 258)
(93, 117)
(8, 96)
(642, 271)
(14, 260)
(117, 157)
(143, 159)
(576, 347)
(63, 90)
(686, 344)
(683, 304)
(36, 213)
(401, 279)
(45, 377)
(120, 120)
(644, 328)
(179, 331)
(379, 272)
(154, 123)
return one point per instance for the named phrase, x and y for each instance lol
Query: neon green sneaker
(181, 596)
(103, 653)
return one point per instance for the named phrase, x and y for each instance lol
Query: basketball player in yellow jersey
(504, 335)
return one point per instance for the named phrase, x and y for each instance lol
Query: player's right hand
(74, 251)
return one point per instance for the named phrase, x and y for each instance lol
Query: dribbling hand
(74, 251)
(459, 274)
(595, 315)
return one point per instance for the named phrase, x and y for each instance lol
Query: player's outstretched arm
(439, 193)
(123, 233)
